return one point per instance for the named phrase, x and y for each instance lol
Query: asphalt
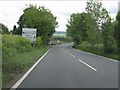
(65, 67)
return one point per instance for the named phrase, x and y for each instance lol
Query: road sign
(29, 33)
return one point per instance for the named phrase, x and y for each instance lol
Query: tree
(77, 40)
(109, 42)
(4, 29)
(15, 30)
(73, 24)
(117, 32)
(74, 28)
(83, 25)
(40, 18)
(99, 15)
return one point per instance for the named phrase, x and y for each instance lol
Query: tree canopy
(81, 25)
(98, 13)
(95, 28)
(40, 18)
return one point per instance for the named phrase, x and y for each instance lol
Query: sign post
(29, 33)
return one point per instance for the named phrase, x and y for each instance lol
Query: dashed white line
(83, 62)
(27, 73)
(66, 51)
(88, 65)
(71, 55)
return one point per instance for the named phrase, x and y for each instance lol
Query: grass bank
(20, 63)
(100, 52)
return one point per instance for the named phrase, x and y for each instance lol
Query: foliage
(95, 30)
(38, 42)
(98, 13)
(84, 44)
(109, 43)
(77, 40)
(4, 29)
(12, 44)
(15, 30)
(18, 55)
(20, 63)
(99, 52)
(81, 25)
(40, 18)
(117, 30)
(68, 39)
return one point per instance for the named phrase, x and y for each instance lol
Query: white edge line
(97, 55)
(88, 65)
(27, 73)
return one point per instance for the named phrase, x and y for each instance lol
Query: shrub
(12, 44)
(38, 42)
(98, 46)
(84, 44)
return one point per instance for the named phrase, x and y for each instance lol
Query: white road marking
(71, 55)
(97, 55)
(88, 65)
(83, 62)
(27, 73)
(66, 51)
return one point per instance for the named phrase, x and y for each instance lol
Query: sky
(10, 11)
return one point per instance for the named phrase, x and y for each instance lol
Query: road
(65, 67)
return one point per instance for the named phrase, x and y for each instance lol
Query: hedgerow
(12, 44)
(18, 55)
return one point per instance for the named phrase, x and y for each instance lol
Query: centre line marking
(66, 51)
(71, 55)
(88, 65)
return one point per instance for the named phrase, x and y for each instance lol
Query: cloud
(10, 11)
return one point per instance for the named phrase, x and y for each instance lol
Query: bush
(18, 55)
(12, 44)
(98, 46)
(38, 42)
(84, 44)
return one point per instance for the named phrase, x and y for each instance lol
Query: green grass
(100, 52)
(20, 63)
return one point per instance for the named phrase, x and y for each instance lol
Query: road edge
(97, 55)
(18, 82)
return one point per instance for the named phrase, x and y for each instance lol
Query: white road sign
(29, 33)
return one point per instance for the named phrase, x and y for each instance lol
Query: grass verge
(100, 52)
(21, 63)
